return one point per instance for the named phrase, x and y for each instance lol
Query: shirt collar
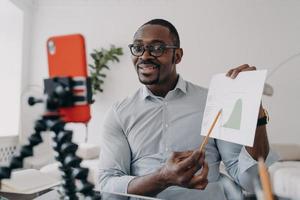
(181, 85)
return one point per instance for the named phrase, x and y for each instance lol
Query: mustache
(145, 62)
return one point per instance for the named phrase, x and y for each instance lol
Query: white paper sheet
(239, 100)
(28, 181)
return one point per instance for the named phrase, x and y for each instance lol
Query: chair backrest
(8, 145)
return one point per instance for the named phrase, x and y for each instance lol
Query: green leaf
(92, 66)
(105, 66)
(101, 59)
(102, 75)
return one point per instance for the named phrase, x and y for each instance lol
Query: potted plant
(101, 60)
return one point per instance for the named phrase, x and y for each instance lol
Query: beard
(149, 81)
(145, 77)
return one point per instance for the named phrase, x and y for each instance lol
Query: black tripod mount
(59, 94)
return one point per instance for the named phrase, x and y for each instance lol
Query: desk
(105, 196)
(53, 194)
(14, 196)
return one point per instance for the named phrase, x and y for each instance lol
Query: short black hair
(169, 26)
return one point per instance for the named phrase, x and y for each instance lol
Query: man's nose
(146, 55)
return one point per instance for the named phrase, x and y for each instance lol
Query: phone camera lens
(51, 47)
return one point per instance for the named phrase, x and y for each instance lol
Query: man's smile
(147, 68)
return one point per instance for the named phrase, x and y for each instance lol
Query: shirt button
(167, 126)
(167, 149)
(166, 103)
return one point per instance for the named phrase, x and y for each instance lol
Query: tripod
(59, 94)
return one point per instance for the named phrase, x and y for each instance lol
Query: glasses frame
(147, 47)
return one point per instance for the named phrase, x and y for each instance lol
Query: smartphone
(67, 58)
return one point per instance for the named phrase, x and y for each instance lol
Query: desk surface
(14, 196)
(105, 196)
(54, 195)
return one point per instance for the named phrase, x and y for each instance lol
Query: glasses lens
(156, 49)
(137, 50)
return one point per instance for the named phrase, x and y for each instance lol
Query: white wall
(215, 36)
(11, 38)
(27, 7)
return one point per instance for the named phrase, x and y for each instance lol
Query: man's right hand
(185, 169)
(182, 168)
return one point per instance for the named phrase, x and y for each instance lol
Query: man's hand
(232, 73)
(186, 169)
(182, 168)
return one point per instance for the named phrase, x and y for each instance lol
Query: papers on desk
(239, 100)
(28, 181)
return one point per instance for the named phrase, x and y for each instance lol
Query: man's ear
(178, 55)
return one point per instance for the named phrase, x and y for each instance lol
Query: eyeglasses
(155, 50)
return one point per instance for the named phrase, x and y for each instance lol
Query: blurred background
(215, 36)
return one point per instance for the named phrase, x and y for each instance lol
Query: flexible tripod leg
(25, 150)
(70, 164)
(62, 139)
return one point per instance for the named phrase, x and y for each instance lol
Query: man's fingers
(185, 154)
(204, 170)
(253, 68)
(202, 185)
(179, 156)
(200, 181)
(194, 167)
(237, 70)
(202, 158)
(190, 161)
(229, 72)
(242, 67)
(234, 72)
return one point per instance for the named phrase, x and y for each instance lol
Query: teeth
(153, 67)
(148, 68)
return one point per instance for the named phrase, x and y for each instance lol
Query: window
(11, 37)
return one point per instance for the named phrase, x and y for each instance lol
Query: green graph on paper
(235, 118)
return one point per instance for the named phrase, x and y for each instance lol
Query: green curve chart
(235, 118)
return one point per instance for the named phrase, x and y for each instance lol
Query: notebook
(28, 181)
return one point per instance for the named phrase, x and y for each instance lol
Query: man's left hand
(261, 144)
(235, 71)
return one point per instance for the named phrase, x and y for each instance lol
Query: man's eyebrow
(157, 41)
(137, 41)
(152, 41)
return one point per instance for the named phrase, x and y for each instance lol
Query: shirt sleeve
(240, 164)
(115, 156)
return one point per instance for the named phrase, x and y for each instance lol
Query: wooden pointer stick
(205, 141)
(265, 180)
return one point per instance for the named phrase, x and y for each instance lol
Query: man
(149, 142)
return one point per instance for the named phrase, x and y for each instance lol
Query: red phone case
(67, 58)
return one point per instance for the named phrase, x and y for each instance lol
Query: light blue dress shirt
(140, 132)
